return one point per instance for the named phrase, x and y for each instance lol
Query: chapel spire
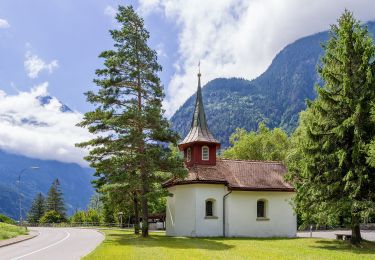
(199, 117)
(199, 135)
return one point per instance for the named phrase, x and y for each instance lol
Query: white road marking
(44, 248)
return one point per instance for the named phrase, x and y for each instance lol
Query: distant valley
(75, 182)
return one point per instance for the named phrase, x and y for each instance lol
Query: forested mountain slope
(276, 97)
(75, 182)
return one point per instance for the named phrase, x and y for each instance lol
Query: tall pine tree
(129, 116)
(37, 209)
(328, 164)
(55, 200)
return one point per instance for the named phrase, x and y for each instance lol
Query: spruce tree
(129, 115)
(55, 200)
(37, 209)
(328, 163)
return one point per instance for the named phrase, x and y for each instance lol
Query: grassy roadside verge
(8, 231)
(125, 245)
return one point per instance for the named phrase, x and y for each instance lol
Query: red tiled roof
(239, 175)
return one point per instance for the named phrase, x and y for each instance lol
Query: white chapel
(230, 198)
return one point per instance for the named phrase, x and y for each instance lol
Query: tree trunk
(356, 231)
(141, 150)
(144, 205)
(136, 213)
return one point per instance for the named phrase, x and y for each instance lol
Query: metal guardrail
(152, 226)
(78, 224)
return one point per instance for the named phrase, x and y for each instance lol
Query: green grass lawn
(125, 245)
(9, 231)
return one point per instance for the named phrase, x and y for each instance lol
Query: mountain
(74, 179)
(46, 100)
(275, 97)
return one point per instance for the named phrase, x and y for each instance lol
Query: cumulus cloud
(160, 51)
(110, 11)
(239, 38)
(36, 126)
(34, 65)
(4, 24)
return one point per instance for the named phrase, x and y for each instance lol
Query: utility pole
(19, 189)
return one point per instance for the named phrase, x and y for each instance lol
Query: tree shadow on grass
(365, 248)
(266, 239)
(169, 242)
(161, 240)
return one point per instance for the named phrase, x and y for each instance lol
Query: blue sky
(72, 33)
(52, 47)
(231, 38)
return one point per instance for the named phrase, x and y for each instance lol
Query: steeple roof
(199, 131)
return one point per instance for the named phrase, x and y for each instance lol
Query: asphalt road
(55, 244)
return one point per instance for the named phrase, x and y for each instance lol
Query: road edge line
(19, 241)
(44, 248)
(104, 237)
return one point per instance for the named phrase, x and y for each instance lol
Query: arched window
(188, 154)
(205, 153)
(261, 209)
(209, 208)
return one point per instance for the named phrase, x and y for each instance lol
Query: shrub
(8, 231)
(6, 219)
(78, 217)
(52, 216)
(93, 216)
(90, 216)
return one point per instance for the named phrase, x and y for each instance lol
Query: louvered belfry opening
(199, 136)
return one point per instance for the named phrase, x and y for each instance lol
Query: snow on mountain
(38, 125)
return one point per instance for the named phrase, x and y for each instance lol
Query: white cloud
(239, 38)
(149, 6)
(40, 131)
(34, 65)
(110, 11)
(160, 51)
(4, 24)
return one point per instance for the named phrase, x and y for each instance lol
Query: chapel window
(209, 208)
(261, 209)
(205, 153)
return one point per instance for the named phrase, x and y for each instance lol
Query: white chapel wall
(180, 215)
(170, 214)
(207, 226)
(186, 212)
(242, 215)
